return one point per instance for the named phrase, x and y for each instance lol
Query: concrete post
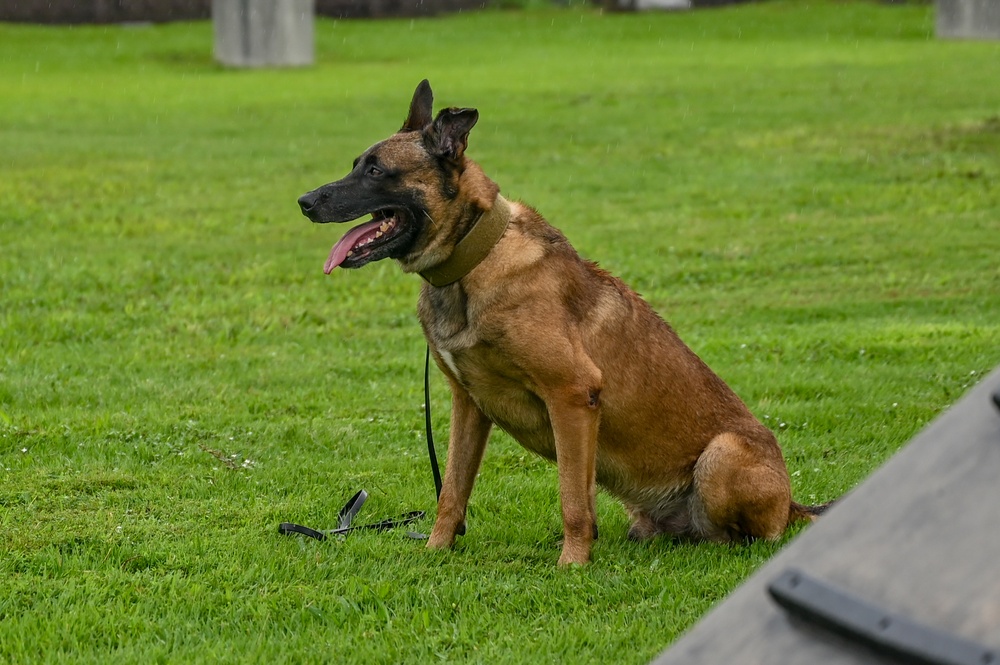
(643, 5)
(263, 33)
(968, 19)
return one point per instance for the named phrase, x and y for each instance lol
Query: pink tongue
(345, 244)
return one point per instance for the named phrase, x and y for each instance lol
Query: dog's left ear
(448, 137)
(421, 108)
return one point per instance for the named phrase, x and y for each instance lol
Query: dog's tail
(796, 511)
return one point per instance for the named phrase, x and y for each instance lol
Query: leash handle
(427, 424)
(346, 516)
(348, 512)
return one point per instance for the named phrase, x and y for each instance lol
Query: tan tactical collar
(473, 248)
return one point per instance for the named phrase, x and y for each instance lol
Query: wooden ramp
(905, 569)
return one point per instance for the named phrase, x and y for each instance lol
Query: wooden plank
(920, 537)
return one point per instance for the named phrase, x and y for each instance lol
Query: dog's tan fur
(578, 369)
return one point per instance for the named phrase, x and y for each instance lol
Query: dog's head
(418, 186)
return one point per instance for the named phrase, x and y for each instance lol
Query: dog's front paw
(575, 553)
(442, 537)
(439, 543)
(567, 559)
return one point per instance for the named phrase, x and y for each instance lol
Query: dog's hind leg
(670, 515)
(742, 490)
(643, 527)
(470, 429)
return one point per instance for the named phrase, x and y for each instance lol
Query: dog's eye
(374, 171)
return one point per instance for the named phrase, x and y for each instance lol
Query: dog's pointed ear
(421, 108)
(448, 137)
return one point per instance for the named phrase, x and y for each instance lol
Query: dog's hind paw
(643, 528)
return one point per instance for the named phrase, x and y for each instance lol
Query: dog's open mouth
(374, 240)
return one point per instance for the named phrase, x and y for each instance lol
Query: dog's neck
(473, 248)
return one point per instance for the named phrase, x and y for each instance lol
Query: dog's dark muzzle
(309, 201)
(341, 201)
(350, 198)
(331, 203)
(390, 233)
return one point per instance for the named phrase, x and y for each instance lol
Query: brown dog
(554, 350)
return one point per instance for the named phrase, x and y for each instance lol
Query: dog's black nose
(308, 201)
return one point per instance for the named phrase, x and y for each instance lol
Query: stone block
(968, 19)
(264, 33)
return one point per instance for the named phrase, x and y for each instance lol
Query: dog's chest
(449, 360)
(478, 362)
(447, 326)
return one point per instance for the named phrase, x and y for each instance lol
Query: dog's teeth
(378, 234)
(351, 253)
(384, 227)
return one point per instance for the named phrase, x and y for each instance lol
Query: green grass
(808, 192)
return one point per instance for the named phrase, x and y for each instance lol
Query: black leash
(345, 517)
(427, 423)
(353, 506)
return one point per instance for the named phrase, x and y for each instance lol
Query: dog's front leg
(566, 379)
(575, 419)
(470, 429)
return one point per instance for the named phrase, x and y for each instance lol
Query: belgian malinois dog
(552, 349)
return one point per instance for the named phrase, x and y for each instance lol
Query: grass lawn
(808, 192)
